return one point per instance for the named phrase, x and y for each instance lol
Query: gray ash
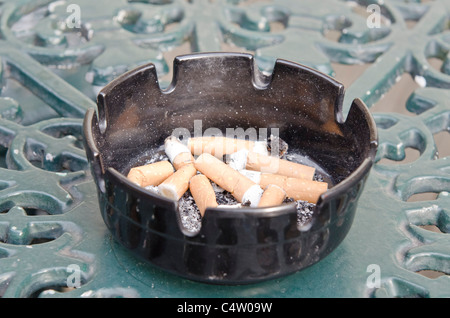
(305, 211)
(158, 156)
(189, 214)
(191, 218)
(225, 198)
(318, 177)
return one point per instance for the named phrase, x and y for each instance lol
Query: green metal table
(56, 55)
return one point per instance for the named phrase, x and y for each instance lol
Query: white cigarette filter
(271, 164)
(151, 174)
(178, 153)
(219, 146)
(273, 195)
(242, 188)
(202, 192)
(296, 188)
(178, 183)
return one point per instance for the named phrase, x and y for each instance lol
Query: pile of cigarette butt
(208, 172)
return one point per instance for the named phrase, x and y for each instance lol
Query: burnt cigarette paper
(178, 153)
(219, 146)
(151, 174)
(277, 146)
(202, 192)
(241, 187)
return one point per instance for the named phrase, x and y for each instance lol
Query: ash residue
(305, 211)
(277, 146)
(318, 177)
(191, 218)
(157, 156)
(223, 197)
(189, 214)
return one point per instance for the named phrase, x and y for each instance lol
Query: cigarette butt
(151, 174)
(273, 195)
(182, 159)
(178, 153)
(177, 184)
(241, 187)
(252, 195)
(202, 192)
(219, 146)
(296, 188)
(271, 164)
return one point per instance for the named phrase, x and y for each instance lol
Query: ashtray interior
(223, 92)
(190, 215)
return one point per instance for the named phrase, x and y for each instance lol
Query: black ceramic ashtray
(226, 90)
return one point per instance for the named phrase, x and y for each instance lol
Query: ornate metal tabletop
(56, 55)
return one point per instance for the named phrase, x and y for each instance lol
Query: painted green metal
(50, 225)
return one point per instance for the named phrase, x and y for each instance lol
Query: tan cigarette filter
(178, 183)
(241, 187)
(151, 174)
(296, 188)
(270, 164)
(182, 159)
(273, 195)
(178, 153)
(219, 146)
(202, 192)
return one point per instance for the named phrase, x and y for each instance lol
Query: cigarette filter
(296, 188)
(179, 155)
(241, 187)
(271, 164)
(219, 146)
(273, 195)
(151, 174)
(202, 192)
(177, 184)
